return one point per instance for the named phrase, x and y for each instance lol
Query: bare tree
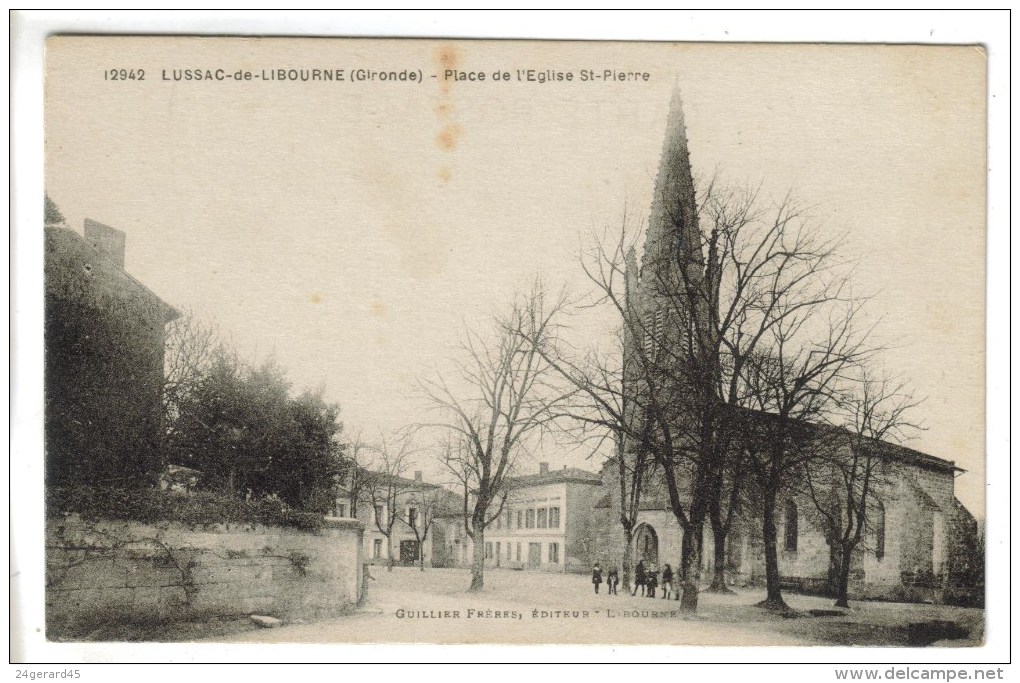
(355, 472)
(493, 409)
(845, 482)
(598, 412)
(794, 385)
(190, 347)
(424, 503)
(713, 284)
(388, 489)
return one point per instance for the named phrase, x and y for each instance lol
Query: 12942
(124, 75)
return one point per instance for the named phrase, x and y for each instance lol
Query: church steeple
(673, 237)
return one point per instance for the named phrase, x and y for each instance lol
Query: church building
(919, 542)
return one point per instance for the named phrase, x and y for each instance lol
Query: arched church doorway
(646, 545)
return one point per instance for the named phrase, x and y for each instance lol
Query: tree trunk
(835, 566)
(690, 568)
(843, 588)
(389, 552)
(478, 562)
(719, 557)
(628, 556)
(421, 555)
(773, 593)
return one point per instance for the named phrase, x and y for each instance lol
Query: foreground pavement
(409, 606)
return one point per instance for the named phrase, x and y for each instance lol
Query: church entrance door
(646, 545)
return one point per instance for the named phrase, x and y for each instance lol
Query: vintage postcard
(514, 342)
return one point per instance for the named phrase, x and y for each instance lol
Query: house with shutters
(547, 524)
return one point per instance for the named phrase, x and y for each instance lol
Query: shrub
(154, 505)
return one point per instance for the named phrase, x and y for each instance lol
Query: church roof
(894, 451)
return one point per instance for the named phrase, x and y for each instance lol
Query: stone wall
(102, 572)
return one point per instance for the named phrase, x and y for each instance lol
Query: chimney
(106, 240)
(543, 468)
(417, 476)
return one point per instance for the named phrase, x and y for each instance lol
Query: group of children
(646, 579)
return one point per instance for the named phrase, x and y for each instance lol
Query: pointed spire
(673, 233)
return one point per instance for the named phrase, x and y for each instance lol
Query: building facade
(104, 351)
(413, 511)
(920, 543)
(547, 524)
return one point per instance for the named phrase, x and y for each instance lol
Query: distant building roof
(567, 474)
(402, 482)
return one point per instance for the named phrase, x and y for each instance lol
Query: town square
(683, 350)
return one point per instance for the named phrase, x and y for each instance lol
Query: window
(509, 520)
(655, 324)
(379, 514)
(554, 553)
(508, 553)
(340, 510)
(412, 517)
(790, 535)
(879, 531)
(377, 548)
(649, 336)
(499, 551)
(938, 543)
(499, 522)
(542, 519)
(520, 523)
(518, 550)
(488, 550)
(529, 519)
(554, 518)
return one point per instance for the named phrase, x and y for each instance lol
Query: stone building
(104, 347)
(547, 524)
(919, 543)
(416, 504)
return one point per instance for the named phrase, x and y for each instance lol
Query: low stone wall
(101, 572)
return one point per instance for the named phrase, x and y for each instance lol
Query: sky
(356, 229)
